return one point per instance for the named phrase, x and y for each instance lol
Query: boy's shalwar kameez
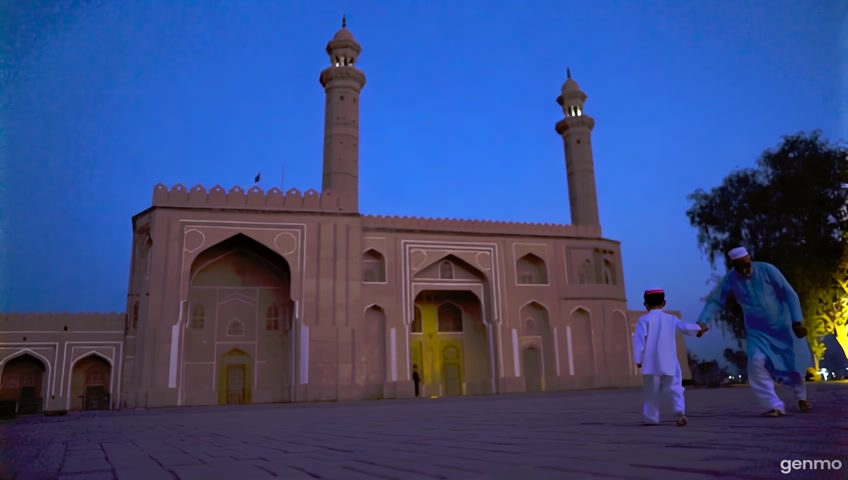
(655, 348)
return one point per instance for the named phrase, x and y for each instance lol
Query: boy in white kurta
(655, 352)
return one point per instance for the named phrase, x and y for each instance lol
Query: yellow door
(235, 384)
(441, 364)
(452, 380)
(452, 368)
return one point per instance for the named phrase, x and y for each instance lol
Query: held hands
(799, 329)
(704, 329)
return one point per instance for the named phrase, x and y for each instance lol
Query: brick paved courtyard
(564, 435)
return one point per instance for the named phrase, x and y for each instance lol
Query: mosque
(252, 296)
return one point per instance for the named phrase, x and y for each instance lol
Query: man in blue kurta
(775, 335)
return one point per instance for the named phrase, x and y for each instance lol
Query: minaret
(342, 82)
(576, 131)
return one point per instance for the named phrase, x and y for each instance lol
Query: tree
(739, 359)
(833, 306)
(730, 318)
(788, 211)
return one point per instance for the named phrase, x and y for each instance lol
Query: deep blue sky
(103, 102)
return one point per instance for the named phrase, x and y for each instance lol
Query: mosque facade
(253, 296)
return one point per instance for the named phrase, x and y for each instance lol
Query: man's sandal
(805, 406)
(681, 421)
(774, 413)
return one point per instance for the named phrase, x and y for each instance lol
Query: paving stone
(88, 476)
(574, 435)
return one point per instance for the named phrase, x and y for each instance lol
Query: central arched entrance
(239, 341)
(24, 381)
(448, 344)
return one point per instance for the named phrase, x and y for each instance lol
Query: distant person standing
(773, 325)
(655, 352)
(416, 378)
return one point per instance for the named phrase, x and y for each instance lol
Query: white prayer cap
(737, 253)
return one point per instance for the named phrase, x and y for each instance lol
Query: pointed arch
(608, 274)
(26, 351)
(236, 373)
(618, 360)
(235, 328)
(375, 354)
(535, 319)
(446, 271)
(44, 384)
(99, 398)
(586, 274)
(373, 267)
(531, 270)
(581, 347)
(239, 278)
(240, 252)
(90, 353)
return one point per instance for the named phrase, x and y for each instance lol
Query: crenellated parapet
(237, 198)
(57, 321)
(493, 227)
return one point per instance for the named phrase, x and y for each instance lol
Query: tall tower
(576, 131)
(342, 83)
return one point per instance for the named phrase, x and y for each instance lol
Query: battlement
(480, 226)
(254, 198)
(56, 321)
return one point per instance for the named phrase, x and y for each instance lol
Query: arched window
(416, 321)
(446, 271)
(531, 270)
(609, 273)
(373, 267)
(272, 317)
(586, 274)
(235, 328)
(450, 318)
(198, 317)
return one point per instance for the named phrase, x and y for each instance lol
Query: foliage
(832, 306)
(737, 358)
(789, 211)
(730, 319)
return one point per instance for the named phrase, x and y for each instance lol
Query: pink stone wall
(60, 341)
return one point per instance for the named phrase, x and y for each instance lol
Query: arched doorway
(91, 382)
(239, 300)
(536, 333)
(532, 361)
(581, 349)
(375, 354)
(235, 378)
(618, 346)
(24, 381)
(448, 344)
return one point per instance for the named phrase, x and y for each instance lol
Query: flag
(256, 179)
